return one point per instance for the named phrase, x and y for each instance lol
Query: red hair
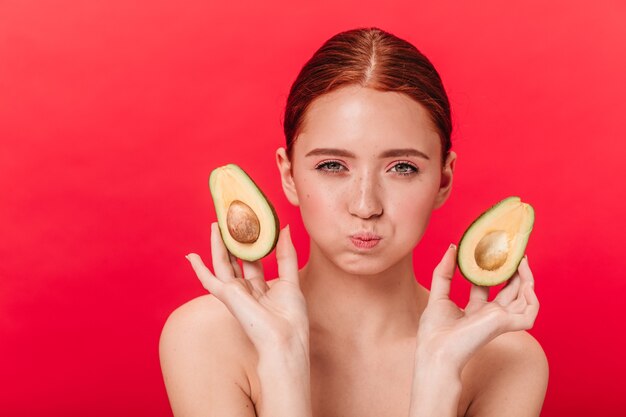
(369, 57)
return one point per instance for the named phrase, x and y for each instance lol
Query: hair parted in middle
(368, 57)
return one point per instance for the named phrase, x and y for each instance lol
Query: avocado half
(494, 244)
(247, 219)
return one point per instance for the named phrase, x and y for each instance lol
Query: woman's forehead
(363, 120)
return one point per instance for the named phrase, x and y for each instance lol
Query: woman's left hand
(451, 335)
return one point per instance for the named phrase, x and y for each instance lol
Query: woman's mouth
(365, 243)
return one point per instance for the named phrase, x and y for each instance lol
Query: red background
(113, 113)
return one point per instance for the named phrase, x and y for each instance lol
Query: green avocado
(494, 244)
(247, 219)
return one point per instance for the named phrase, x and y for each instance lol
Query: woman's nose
(366, 201)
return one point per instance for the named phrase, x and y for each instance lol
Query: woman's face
(366, 161)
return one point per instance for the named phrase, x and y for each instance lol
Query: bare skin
(374, 382)
(353, 332)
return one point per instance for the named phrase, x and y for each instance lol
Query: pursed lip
(366, 236)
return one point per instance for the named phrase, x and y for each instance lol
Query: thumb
(442, 275)
(286, 257)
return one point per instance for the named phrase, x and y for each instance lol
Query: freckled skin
(367, 193)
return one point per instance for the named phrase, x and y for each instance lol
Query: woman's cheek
(317, 194)
(316, 205)
(413, 213)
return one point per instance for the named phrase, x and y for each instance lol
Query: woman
(353, 333)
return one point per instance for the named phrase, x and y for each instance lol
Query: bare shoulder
(508, 376)
(206, 360)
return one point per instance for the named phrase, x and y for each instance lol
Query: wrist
(435, 397)
(286, 358)
(433, 378)
(430, 358)
(436, 388)
(293, 342)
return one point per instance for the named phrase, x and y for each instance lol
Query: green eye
(329, 164)
(412, 169)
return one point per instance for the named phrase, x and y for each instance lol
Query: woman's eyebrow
(385, 154)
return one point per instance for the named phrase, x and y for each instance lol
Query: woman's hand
(271, 317)
(451, 335)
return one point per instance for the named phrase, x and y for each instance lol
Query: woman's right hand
(271, 317)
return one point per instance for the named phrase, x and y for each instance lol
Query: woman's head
(362, 157)
(373, 58)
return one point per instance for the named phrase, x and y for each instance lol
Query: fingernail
(453, 246)
(187, 257)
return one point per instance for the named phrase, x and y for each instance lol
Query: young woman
(353, 333)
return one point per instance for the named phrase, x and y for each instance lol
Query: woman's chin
(362, 266)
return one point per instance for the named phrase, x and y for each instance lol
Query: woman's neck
(359, 310)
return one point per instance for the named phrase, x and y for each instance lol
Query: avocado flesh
(494, 244)
(247, 219)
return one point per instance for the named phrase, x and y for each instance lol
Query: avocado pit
(492, 250)
(243, 224)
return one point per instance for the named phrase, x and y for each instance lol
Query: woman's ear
(286, 176)
(445, 186)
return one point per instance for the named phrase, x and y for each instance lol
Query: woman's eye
(329, 167)
(403, 171)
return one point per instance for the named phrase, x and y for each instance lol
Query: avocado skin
(471, 226)
(273, 210)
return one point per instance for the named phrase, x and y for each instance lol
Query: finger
(208, 280)
(238, 300)
(519, 302)
(238, 296)
(286, 257)
(525, 273)
(221, 263)
(479, 293)
(236, 268)
(527, 318)
(442, 275)
(518, 305)
(253, 269)
(478, 297)
(251, 284)
(509, 292)
(531, 297)
(253, 273)
(524, 299)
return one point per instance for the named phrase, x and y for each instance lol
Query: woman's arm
(448, 338)
(285, 379)
(436, 387)
(203, 353)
